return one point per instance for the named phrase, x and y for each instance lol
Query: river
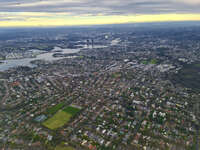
(47, 56)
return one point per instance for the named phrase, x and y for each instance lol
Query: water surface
(48, 56)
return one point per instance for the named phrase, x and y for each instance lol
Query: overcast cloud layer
(102, 7)
(90, 12)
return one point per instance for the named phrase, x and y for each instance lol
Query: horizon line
(95, 25)
(57, 21)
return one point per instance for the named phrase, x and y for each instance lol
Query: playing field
(61, 117)
(58, 120)
(71, 110)
(55, 108)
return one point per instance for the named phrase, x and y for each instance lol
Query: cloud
(108, 7)
(34, 12)
(46, 3)
(190, 2)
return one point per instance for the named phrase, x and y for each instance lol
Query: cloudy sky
(87, 12)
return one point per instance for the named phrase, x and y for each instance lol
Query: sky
(15, 13)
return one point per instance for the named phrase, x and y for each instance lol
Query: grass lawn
(71, 110)
(55, 108)
(61, 117)
(145, 62)
(58, 120)
(153, 61)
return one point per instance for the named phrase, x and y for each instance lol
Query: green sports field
(58, 120)
(61, 118)
(71, 110)
(55, 108)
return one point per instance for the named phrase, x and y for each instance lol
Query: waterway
(47, 56)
